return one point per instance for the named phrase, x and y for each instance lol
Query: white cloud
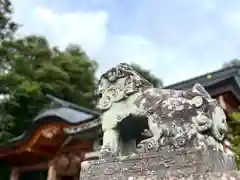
(90, 29)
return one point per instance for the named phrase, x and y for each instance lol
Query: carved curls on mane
(125, 70)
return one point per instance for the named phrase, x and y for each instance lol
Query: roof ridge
(236, 67)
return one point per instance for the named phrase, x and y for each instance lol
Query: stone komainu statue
(175, 118)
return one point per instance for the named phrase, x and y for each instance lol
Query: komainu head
(118, 83)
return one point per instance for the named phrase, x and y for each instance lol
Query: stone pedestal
(184, 164)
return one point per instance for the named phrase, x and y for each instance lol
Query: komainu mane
(175, 118)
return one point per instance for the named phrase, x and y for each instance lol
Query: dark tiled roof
(216, 77)
(70, 116)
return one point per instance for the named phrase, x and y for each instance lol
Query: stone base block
(230, 175)
(165, 165)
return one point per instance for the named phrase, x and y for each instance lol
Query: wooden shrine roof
(217, 82)
(67, 114)
(37, 139)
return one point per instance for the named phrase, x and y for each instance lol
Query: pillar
(52, 175)
(14, 174)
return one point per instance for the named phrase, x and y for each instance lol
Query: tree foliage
(233, 62)
(233, 135)
(29, 67)
(7, 26)
(148, 75)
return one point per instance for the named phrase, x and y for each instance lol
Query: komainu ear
(198, 88)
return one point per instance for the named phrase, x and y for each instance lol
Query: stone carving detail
(177, 119)
(175, 164)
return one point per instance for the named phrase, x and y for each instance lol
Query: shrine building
(45, 147)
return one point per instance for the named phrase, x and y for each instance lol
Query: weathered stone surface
(230, 175)
(169, 113)
(166, 164)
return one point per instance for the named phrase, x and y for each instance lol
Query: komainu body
(174, 117)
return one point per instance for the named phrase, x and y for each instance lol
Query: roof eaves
(220, 74)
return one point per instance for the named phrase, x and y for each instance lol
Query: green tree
(7, 26)
(233, 62)
(29, 67)
(148, 75)
(233, 135)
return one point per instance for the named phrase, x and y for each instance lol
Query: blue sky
(176, 39)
